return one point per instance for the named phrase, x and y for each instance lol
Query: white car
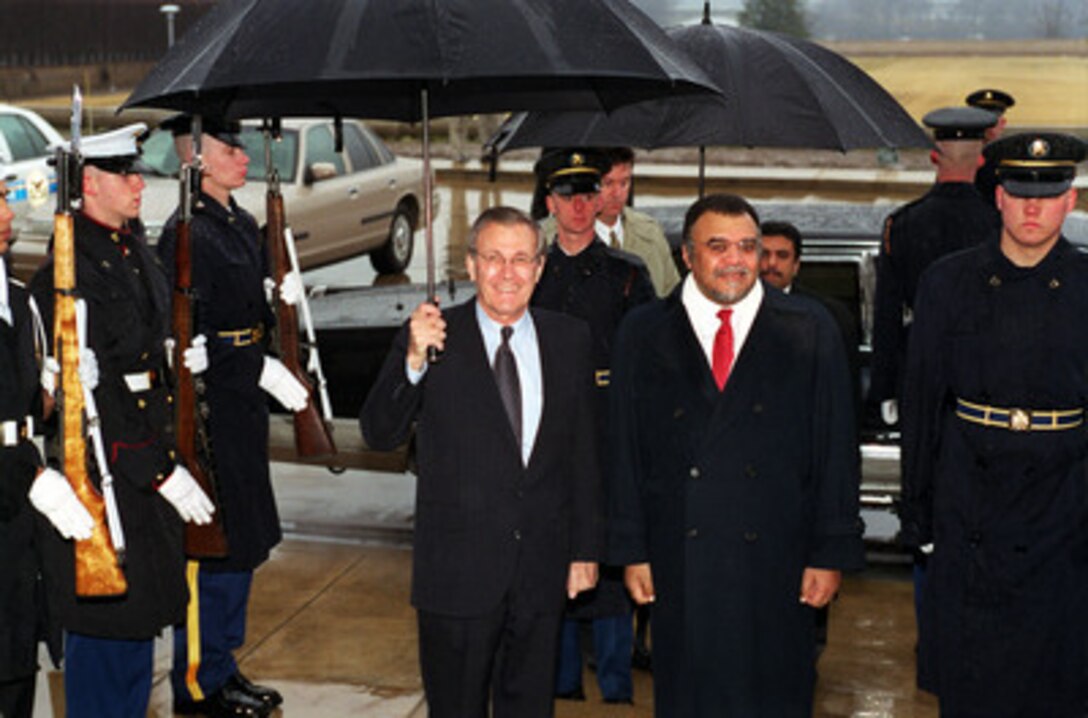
(26, 142)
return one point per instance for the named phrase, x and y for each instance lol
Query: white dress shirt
(703, 315)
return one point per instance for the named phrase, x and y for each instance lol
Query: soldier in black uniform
(995, 449)
(229, 274)
(109, 646)
(20, 410)
(587, 279)
(949, 217)
(997, 102)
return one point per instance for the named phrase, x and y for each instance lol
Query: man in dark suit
(507, 504)
(735, 534)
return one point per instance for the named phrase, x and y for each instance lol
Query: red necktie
(723, 349)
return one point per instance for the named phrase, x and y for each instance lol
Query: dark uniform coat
(948, 218)
(127, 315)
(598, 285)
(1007, 511)
(730, 496)
(229, 265)
(21, 602)
(487, 524)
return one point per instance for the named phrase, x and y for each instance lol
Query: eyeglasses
(521, 262)
(719, 246)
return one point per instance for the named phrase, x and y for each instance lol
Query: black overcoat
(21, 602)
(1007, 511)
(951, 216)
(730, 496)
(229, 265)
(487, 524)
(127, 315)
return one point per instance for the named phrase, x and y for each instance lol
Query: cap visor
(1019, 188)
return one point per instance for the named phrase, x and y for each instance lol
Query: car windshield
(159, 158)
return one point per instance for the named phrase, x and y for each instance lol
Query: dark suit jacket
(730, 496)
(487, 524)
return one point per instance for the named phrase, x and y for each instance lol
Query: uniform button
(143, 357)
(141, 403)
(751, 536)
(678, 412)
(693, 533)
(172, 454)
(169, 398)
(750, 471)
(694, 473)
(757, 408)
(517, 534)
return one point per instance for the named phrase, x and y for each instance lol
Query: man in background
(997, 102)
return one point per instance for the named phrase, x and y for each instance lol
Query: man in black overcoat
(233, 316)
(508, 519)
(733, 480)
(994, 450)
(109, 641)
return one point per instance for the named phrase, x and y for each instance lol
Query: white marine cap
(114, 151)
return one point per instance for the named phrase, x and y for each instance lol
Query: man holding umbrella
(229, 275)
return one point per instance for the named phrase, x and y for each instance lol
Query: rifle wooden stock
(208, 540)
(313, 437)
(97, 570)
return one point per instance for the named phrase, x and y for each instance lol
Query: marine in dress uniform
(585, 278)
(108, 647)
(997, 102)
(949, 217)
(995, 450)
(229, 273)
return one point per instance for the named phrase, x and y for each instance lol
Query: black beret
(223, 130)
(992, 100)
(959, 123)
(1041, 164)
(570, 171)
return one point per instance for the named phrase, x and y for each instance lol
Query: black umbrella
(415, 59)
(776, 91)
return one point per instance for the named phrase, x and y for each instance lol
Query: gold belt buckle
(1019, 420)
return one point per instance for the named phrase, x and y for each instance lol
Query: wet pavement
(331, 627)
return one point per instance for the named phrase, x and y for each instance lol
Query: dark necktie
(506, 376)
(723, 349)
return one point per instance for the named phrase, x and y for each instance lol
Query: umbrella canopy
(776, 91)
(373, 59)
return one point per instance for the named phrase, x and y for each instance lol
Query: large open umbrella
(776, 91)
(415, 59)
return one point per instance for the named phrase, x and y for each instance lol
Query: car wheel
(393, 256)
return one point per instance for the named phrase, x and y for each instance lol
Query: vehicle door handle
(353, 192)
(300, 236)
(392, 183)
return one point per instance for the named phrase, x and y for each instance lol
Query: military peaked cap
(1039, 164)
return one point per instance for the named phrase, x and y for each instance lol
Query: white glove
(88, 369)
(269, 289)
(281, 383)
(195, 358)
(291, 289)
(50, 372)
(185, 494)
(889, 411)
(52, 495)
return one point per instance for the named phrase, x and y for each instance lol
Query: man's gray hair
(508, 217)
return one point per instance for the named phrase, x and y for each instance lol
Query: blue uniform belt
(1019, 419)
(241, 337)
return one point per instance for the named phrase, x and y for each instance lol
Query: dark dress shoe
(230, 701)
(269, 696)
(576, 695)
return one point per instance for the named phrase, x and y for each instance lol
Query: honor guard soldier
(109, 641)
(230, 272)
(21, 471)
(585, 278)
(949, 217)
(995, 450)
(997, 102)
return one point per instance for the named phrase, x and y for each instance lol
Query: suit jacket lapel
(682, 354)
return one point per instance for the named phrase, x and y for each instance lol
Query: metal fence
(44, 33)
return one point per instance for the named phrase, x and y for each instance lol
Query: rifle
(97, 559)
(313, 435)
(208, 540)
